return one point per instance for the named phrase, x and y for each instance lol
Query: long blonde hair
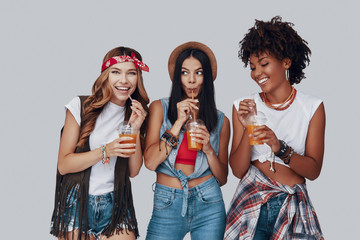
(102, 93)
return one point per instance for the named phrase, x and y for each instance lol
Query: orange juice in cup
(133, 136)
(190, 126)
(253, 141)
(194, 146)
(254, 121)
(126, 130)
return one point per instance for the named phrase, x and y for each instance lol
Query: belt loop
(185, 202)
(173, 192)
(153, 186)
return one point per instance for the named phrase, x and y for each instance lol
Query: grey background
(51, 51)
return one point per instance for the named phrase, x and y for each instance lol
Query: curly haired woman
(271, 200)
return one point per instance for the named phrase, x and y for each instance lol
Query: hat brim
(197, 45)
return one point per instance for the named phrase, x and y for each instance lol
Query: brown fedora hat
(174, 55)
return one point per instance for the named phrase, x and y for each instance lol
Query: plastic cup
(190, 126)
(126, 130)
(254, 121)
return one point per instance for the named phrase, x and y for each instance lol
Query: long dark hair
(207, 111)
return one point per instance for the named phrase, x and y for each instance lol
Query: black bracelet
(285, 153)
(170, 139)
(287, 158)
(283, 149)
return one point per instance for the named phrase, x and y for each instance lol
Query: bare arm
(219, 164)
(309, 165)
(68, 161)
(136, 119)
(153, 157)
(136, 159)
(240, 153)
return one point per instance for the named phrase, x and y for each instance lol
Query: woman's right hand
(246, 107)
(185, 108)
(117, 148)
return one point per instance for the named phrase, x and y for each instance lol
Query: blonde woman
(93, 197)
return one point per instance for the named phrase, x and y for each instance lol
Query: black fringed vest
(123, 213)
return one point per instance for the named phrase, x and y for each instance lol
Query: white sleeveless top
(105, 131)
(290, 125)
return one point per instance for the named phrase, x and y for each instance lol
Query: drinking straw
(193, 113)
(252, 108)
(130, 97)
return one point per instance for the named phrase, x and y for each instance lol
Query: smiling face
(268, 72)
(123, 79)
(192, 76)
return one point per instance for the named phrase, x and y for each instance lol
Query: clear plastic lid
(256, 119)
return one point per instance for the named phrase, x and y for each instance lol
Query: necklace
(280, 106)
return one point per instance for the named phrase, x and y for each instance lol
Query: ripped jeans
(99, 213)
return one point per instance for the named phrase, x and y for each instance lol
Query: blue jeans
(204, 219)
(268, 215)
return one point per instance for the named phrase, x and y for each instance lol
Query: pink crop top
(184, 155)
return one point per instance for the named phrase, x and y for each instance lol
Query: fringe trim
(78, 183)
(123, 202)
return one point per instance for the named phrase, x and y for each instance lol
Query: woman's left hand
(202, 135)
(138, 114)
(267, 136)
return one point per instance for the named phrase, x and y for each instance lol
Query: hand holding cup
(191, 126)
(254, 121)
(127, 135)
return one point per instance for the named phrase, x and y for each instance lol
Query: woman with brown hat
(187, 190)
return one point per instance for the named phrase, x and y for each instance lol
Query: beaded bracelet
(105, 158)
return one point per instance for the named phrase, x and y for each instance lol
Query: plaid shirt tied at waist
(296, 220)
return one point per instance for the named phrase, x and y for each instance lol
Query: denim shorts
(99, 213)
(204, 219)
(268, 215)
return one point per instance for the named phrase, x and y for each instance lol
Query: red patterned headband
(120, 59)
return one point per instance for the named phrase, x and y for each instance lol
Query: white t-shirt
(290, 125)
(105, 131)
